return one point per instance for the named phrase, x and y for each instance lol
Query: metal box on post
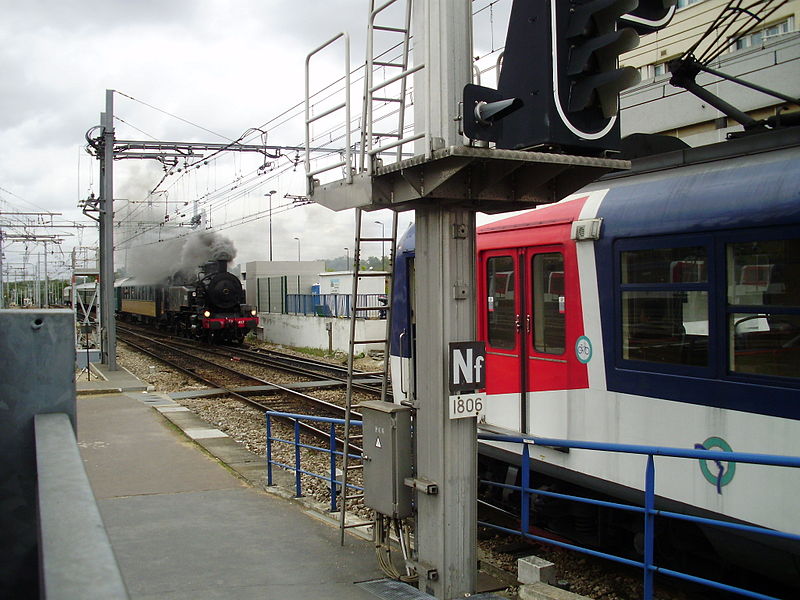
(387, 457)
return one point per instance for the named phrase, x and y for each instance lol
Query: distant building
(769, 56)
(341, 282)
(299, 277)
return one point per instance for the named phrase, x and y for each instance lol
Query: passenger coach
(659, 307)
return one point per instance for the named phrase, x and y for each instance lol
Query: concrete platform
(190, 524)
(184, 526)
(104, 381)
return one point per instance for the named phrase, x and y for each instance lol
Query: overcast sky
(222, 65)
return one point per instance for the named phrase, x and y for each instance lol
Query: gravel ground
(245, 423)
(577, 573)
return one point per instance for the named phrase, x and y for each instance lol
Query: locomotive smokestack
(215, 266)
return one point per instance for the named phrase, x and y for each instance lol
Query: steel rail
(274, 359)
(226, 389)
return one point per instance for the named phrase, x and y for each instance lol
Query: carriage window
(665, 327)
(548, 303)
(665, 265)
(764, 273)
(664, 314)
(763, 280)
(500, 305)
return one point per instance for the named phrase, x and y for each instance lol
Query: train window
(764, 273)
(665, 265)
(665, 305)
(549, 334)
(665, 327)
(500, 305)
(763, 281)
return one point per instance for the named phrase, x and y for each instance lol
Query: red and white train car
(659, 308)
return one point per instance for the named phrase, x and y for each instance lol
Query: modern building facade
(768, 55)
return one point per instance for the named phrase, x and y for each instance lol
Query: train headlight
(253, 312)
(207, 314)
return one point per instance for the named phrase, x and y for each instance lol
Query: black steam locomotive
(210, 307)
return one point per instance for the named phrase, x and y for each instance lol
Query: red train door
(524, 327)
(546, 366)
(501, 327)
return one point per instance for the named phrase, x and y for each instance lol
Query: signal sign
(467, 366)
(467, 374)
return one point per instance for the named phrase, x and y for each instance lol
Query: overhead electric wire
(736, 13)
(174, 116)
(250, 182)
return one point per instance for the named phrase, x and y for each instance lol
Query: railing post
(269, 449)
(649, 526)
(297, 480)
(333, 467)
(525, 483)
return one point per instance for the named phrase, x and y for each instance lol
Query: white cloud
(224, 65)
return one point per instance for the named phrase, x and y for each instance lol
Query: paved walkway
(184, 526)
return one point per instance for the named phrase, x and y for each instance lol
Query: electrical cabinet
(387, 457)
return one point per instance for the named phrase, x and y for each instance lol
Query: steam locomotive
(210, 307)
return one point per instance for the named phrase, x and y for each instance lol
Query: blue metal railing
(649, 511)
(298, 445)
(335, 305)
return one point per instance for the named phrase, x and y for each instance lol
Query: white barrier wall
(310, 332)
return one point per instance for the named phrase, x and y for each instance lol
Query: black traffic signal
(650, 15)
(560, 82)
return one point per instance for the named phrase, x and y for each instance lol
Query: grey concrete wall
(37, 375)
(311, 332)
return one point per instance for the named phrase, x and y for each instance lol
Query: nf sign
(467, 366)
(467, 374)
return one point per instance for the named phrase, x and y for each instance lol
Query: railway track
(364, 381)
(188, 359)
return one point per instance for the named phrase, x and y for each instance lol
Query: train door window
(500, 305)
(665, 306)
(763, 281)
(549, 336)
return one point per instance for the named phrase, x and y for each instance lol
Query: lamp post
(298, 248)
(347, 253)
(270, 194)
(383, 251)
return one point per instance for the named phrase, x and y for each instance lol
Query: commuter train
(210, 308)
(656, 307)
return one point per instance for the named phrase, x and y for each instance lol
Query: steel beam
(446, 449)
(107, 323)
(445, 262)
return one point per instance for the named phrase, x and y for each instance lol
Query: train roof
(753, 182)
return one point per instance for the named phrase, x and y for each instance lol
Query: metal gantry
(446, 180)
(107, 149)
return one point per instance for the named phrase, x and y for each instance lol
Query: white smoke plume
(156, 262)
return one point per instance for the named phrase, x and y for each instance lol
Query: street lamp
(270, 194)
(347, 264)
(383, 251)
(298, 248)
